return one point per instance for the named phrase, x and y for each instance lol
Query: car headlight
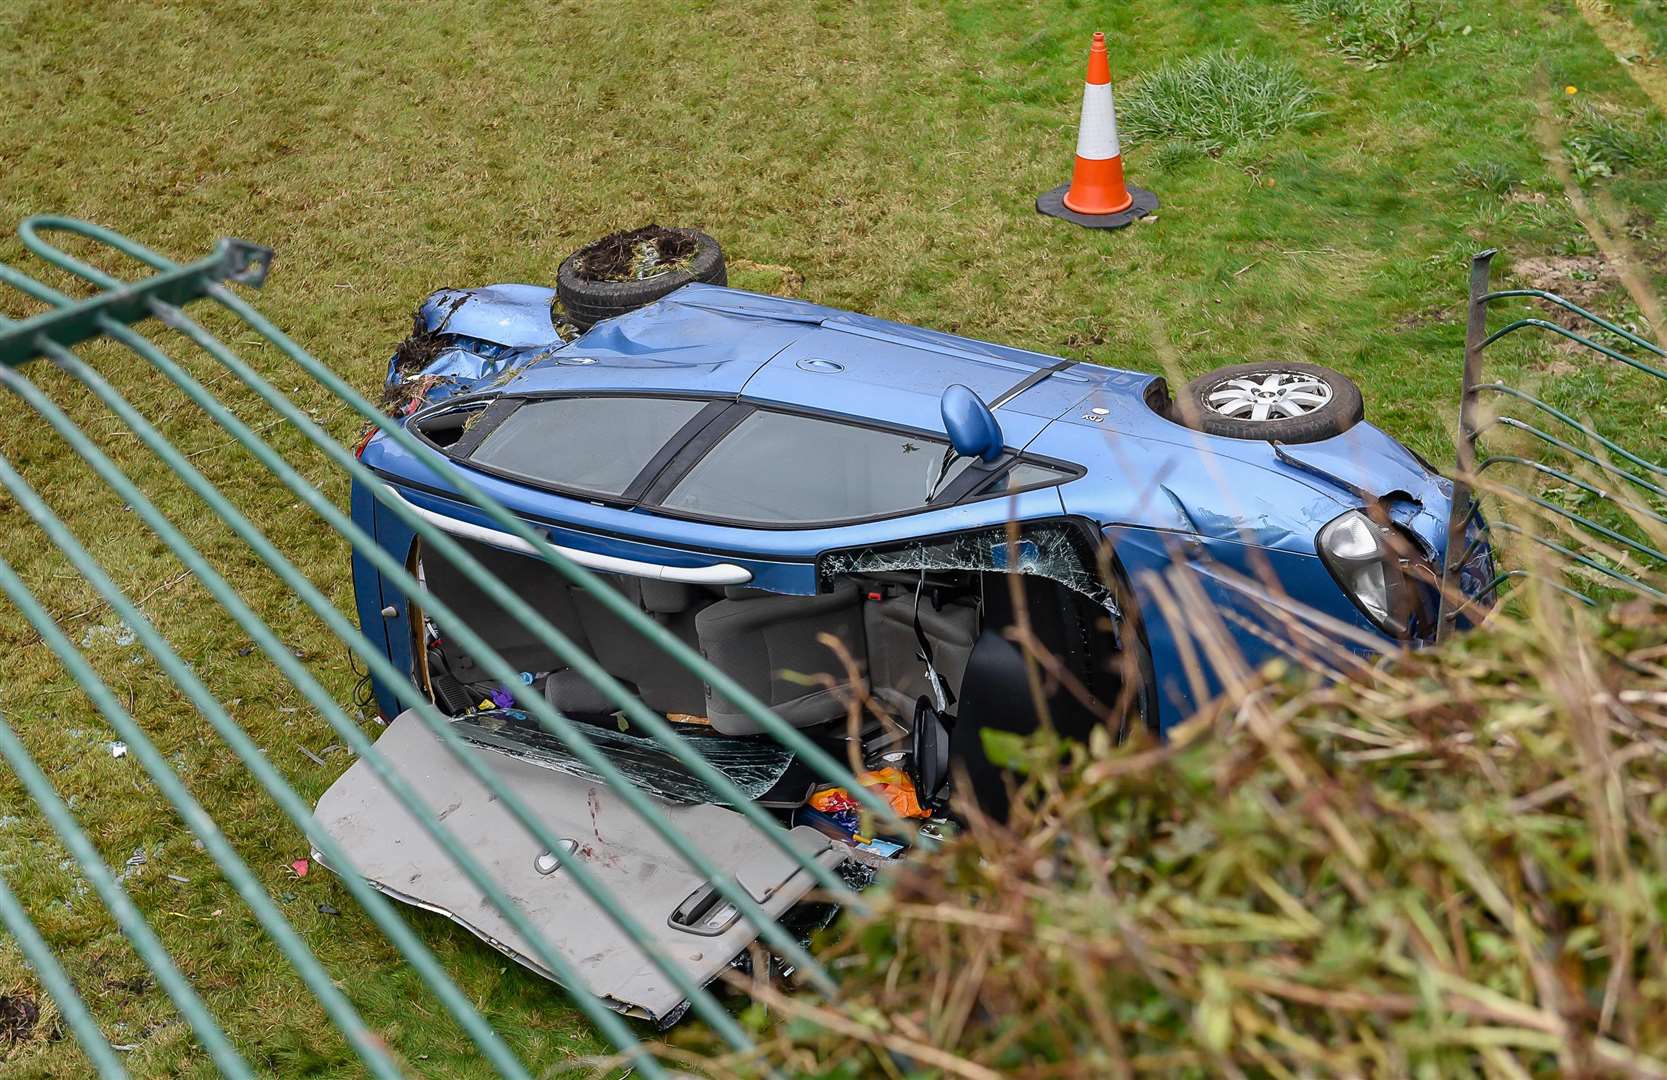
(1372, 563)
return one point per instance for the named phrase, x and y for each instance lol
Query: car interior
(862, 655)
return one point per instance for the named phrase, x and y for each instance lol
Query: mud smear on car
(419, 349)
(637, 254)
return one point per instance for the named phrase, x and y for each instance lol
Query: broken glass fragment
(755, 765)
(1049, 551)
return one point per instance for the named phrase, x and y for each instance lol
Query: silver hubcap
(1270, 395)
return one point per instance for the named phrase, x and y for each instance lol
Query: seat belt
(942, 698)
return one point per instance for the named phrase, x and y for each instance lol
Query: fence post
(1475, 333)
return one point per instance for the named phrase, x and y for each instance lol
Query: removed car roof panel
(642, 873)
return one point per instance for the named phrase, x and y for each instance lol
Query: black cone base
(1052, 203)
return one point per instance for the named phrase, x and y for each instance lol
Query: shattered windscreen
(1048, 551)
(753, 765)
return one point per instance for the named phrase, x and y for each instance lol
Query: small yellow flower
(1571, 90)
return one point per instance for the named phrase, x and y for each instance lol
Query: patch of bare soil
(637, 254)
(1586, 280)
(1429, 316)
(1579, 279)
(18, 1016)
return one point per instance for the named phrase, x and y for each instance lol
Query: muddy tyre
(1276, 402)
(590, 296)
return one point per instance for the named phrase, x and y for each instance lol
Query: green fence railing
(1516, 448)
(113, 313)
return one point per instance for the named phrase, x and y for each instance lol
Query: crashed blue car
(834, 509)
(721, 451)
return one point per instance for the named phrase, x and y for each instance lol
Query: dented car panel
(516, 316)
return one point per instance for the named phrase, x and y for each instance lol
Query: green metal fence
(1518, 449)
(112, 312)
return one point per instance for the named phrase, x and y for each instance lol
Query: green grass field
(882, 157)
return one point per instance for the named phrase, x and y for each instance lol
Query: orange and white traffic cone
(1097, 195)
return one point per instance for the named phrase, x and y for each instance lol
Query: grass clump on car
(637, 255)
(1454, 864)
(1216, 101)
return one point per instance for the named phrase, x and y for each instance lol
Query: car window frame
(666, 481)
(628, 497)
(702, 433)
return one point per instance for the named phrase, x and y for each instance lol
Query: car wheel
(1284, 402)
(589, 296)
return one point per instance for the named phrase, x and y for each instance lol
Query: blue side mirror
(972, 427)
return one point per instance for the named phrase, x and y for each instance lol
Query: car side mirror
(972, 427)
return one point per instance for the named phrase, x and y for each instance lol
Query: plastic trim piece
(715, 574)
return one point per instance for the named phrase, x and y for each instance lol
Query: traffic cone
(1097, 195)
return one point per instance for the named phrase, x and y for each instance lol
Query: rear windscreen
(779, 468)
(596, 444)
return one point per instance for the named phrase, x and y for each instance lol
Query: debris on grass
(118, 749)
(118, 634)
(19, 1013)
(300, 867)
(1217, 101)
(637, 255)
(134, 864)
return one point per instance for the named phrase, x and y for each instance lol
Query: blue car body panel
(1156, 490)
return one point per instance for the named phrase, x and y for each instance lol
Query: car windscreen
(596, 444)
(779, 468)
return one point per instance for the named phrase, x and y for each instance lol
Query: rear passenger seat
(663, 684)
(767, 642)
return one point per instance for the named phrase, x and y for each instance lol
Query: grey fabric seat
(552, 599)
(895, 669)
(769, 645)
(661, 683)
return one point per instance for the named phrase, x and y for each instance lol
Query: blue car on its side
(896, 540)
(758, 472)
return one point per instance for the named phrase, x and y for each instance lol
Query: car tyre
(589, 301)
(1289, 402)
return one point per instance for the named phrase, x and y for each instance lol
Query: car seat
(768, 644)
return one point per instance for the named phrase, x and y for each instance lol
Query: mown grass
(880, 157)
